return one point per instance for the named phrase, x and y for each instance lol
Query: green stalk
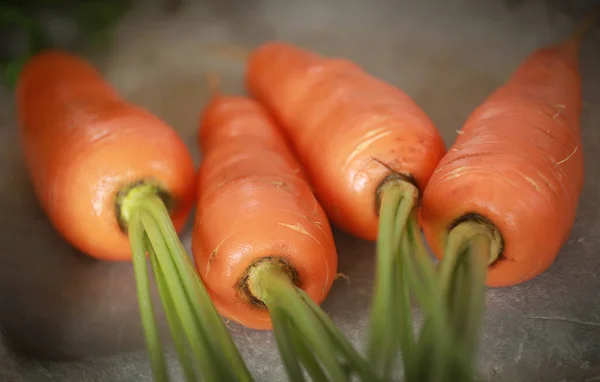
(306, 357)
(173, 320)
(213, 370)
(404, 308)
(397, 202)
(192, 318)
(271, 284)
(447, 350)
(283, 335)
(201, 304)
(355, 361)
(151, 333)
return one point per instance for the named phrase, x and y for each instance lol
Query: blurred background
(65, 317)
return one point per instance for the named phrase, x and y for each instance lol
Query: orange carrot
(351, 131)
(84, 145)
(501, 202)
(105, 172)
(254, 203)
(516, 168)
(262, 243)
(367, 148)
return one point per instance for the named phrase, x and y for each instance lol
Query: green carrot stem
(271, 284)
(173, 320)
(355, 361)
(479, 262)
(194, 331)
(199, 300)
(151, 333)
(451, 348)
(397, 201)
(190, 312)
(306, 357)
(404, 308)
(283, 335)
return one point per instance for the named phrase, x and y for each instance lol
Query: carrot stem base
(304, 333)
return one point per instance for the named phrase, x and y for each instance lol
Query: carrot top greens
(450, 297)
(201, 339)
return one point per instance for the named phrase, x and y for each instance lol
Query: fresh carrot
(85, 148)
(367, 148)
(516, 167)
(352, 131)
(262, 242)
(117, 182)
(507, 192)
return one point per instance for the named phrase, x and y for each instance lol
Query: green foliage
(93, 20)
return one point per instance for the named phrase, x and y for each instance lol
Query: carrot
(367, 148)
(516, 168)
(502, 201)
(262, 242)
(350, 130)
(116, 182)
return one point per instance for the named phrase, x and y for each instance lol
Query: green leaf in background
(94, 20)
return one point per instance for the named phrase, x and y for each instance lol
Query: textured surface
(58, 305)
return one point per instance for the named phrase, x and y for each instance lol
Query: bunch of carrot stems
(93, 21)
(305, 335)
(201, 339)
(449, 295)
(451, 301)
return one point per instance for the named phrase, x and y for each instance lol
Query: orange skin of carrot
(349, 129)
(254, 202)
(518, 161)
(82, 143)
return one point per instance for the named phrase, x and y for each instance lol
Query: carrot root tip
(131, 195)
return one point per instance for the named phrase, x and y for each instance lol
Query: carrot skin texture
(82, 143)
(519, 163)
(254, 202)
(349, 129)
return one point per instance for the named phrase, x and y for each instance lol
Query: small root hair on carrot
(559, 109)
(568, 157)
(341, 275)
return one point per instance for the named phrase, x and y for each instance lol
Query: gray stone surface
(75, 319)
